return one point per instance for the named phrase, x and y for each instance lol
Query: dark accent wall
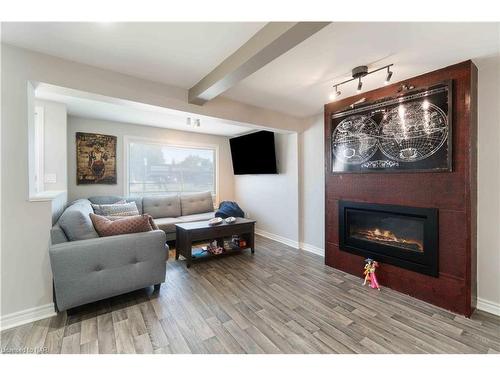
(453, 193)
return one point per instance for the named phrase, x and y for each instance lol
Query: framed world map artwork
(407, 133)
(95, 159)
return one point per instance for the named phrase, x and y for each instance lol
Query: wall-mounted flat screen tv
(254, 153)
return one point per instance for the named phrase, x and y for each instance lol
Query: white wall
(312, 185)
(120, 130)
(55, 127)
(26, 284)
(272, 200)
(488, 210)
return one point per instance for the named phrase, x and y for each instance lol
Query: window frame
(127, 140)
(39, 149)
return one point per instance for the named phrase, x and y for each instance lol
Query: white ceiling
(298, 82)
(89, 105)
(176, 53)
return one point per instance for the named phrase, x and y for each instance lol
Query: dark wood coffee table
(187, 233)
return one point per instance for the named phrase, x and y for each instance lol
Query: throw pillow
(121, 208)
(133, 224)
(154, 226)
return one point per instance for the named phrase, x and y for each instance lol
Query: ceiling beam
(267, 44)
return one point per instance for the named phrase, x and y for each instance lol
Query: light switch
(50, 178)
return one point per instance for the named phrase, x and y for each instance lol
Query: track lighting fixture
(358, 73)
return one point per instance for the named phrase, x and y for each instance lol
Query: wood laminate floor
(279, 300)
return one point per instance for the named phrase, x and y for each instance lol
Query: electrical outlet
(50, 178)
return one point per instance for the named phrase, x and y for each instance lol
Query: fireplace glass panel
(389, 229)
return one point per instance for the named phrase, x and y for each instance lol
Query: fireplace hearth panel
(403, 236)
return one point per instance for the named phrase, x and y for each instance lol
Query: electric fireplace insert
(403, 236)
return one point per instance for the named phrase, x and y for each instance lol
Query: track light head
(336, 93)
(389, 75)
(360, 84)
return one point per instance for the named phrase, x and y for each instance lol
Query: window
(156, 168)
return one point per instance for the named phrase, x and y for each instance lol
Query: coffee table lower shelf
(188, 233)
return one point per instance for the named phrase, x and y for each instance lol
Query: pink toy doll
(366, 271)
(373, 277)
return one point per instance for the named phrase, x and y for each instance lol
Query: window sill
(46, 196)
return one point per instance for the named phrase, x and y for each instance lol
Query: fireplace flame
(389, 238)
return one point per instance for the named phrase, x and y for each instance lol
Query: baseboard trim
(312, 249)
(488, 306)
(275, 237)
(295, 244)
(26, 316)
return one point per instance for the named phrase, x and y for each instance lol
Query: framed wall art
(95, 159)
(407, 133)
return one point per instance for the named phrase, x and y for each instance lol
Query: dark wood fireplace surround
(454, 194)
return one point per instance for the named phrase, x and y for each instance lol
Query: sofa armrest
(90, 270)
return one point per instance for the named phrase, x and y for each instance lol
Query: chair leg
(54, 296)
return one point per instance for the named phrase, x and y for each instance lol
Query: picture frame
(95, 159)
(409, 132)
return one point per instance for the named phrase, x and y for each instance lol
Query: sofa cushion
(162, 205)
(126, 225)
(167, 224)
(121, 208)
(197, 217)
(112, 199)
(196, 203)
(76, 223)
(57, 235)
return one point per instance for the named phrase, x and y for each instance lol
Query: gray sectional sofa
(87, 268)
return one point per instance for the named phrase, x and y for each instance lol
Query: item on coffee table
(215, 221)
(235, 239)
(228, 244)
(230, 219)
(243, 243)
(214, 248)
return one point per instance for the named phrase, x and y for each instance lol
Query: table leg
(252, 241)
(178, 243)
(188, 250)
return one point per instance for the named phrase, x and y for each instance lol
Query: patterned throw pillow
(133, 224)
(121, 208)
(154, 226)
